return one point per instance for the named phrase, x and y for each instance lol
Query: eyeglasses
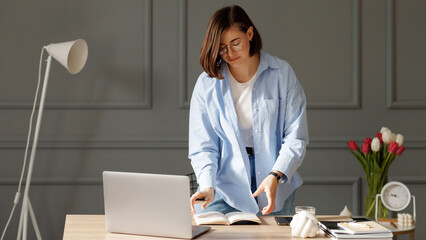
(237, 46)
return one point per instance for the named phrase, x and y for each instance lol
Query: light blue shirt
(280, 134)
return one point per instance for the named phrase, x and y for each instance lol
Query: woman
(248, 130)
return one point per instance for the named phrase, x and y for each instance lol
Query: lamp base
(23, 220)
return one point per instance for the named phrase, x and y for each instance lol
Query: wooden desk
(92, 227)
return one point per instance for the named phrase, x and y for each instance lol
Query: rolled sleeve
(205, 169)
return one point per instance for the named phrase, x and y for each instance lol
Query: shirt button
(255, 110)
(258, 173)
(257, 131)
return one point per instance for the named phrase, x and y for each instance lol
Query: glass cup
(310, 209)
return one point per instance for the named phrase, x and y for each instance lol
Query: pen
(359, 224)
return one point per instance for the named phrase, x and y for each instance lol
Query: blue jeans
(219, 205)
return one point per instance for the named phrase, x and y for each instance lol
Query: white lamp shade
(72, 55)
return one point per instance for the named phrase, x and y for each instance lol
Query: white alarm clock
(396, 197)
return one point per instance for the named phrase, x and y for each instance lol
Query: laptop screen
(147, 204)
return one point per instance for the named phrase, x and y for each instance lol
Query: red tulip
(368, 140)
(393, 147)
(400, 150)
(379, 136)
(352, 145)
(365, 147)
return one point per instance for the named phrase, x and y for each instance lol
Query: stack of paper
(355, 230)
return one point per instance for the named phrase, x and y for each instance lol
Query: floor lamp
(72, 55)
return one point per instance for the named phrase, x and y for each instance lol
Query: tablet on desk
(360, 219)
(283, 221)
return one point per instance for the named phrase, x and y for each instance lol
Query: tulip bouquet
(376, 156)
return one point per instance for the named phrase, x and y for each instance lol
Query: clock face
(395, 196)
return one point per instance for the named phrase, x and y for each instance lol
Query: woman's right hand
(207, 194)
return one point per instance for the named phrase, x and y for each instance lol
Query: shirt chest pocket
(269, 111)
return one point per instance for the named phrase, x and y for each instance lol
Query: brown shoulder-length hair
(219, 22)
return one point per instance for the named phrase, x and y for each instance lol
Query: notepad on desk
(349, 230)
(367, 227)
(226, 219)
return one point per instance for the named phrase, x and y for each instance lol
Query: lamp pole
(26, 204)
(73, 56)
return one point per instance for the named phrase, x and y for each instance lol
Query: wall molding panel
(418, 180)
(355, 103)
(182, 54)
(354, 182)
(392, 101)
(146, 68)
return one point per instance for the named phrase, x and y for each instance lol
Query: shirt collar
(266, 61)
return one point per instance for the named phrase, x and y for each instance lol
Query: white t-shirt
(241, 94)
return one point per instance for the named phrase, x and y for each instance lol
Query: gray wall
(361, 63)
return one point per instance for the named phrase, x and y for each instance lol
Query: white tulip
(393, 137)
(386, 137)
(384, 129)
(375, 144)
(399, 139)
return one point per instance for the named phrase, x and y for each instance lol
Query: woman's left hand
(269, 186)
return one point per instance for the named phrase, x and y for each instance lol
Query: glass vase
(375, 182)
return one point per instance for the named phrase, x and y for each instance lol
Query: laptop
(148, 204)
